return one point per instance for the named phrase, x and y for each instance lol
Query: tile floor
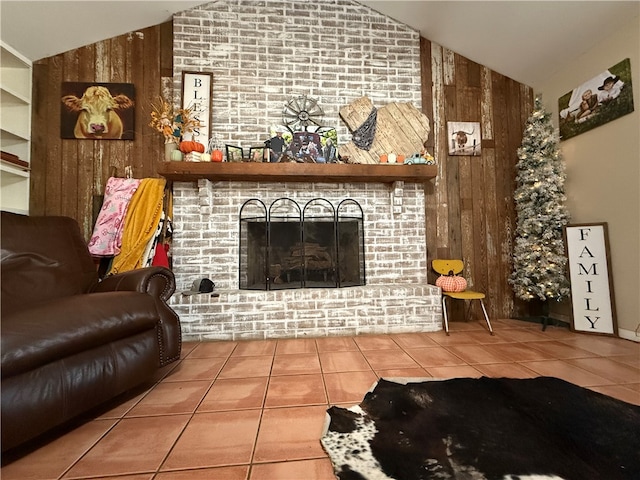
(255, 410)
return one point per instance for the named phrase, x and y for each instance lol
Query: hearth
(285, 246)
(397, 297)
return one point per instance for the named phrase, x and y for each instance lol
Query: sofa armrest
(160, 283)
(156, 281)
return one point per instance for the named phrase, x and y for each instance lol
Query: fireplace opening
(285, 247)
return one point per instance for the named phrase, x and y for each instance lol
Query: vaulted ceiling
(525, 40)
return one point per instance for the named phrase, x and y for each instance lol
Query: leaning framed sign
(592, 295)
(197, 95)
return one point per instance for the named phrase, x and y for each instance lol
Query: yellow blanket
(140, 224)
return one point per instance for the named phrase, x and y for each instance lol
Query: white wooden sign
(197, 94)
(591, 286)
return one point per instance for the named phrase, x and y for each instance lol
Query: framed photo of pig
(464, 138)
(97, 111)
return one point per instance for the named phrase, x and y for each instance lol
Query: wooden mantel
(296, 172)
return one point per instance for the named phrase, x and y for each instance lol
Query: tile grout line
(262, 409)
(195, 409)
(117, 422)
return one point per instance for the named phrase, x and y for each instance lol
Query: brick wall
(396, 298)
(263, 53)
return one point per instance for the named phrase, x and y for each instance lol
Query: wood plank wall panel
(69, 176)
(437, 224)
(430, 207)
(69, 160)
(503, 179)
(86, 150)
(470, 208)
(39, 122)
(54, 151)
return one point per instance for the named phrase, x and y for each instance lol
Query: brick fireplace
(395, 299)
(261, 54)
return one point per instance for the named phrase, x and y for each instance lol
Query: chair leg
(444, 314)
(486, 317)
(468, 304)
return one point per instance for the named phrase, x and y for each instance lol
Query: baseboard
(628, 335)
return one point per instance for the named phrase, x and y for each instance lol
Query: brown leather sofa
(69, 341)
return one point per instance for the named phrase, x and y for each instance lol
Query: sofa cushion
(45, 258)
(44, 333)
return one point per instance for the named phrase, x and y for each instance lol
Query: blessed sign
(591, 285)
(196, 95)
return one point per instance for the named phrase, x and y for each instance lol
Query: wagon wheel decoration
(302, 112)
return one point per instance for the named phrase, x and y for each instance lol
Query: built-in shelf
(15, 129)
(296, 172)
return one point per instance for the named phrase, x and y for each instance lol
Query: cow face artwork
(99, 111)
(464, 138)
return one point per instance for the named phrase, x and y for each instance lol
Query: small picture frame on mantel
(234, 153)
(256, 154)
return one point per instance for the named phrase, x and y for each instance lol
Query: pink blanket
(107, 232)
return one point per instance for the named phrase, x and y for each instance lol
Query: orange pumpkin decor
(451, 283)
(216, 155)
(188, 146)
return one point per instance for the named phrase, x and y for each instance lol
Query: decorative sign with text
(591, 286)
(196, 94)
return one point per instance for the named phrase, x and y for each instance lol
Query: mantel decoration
(303, 138)
(302, 112)
(539, 259)
(397, 128)
(173, 125)
(214, 150)
(196, 97)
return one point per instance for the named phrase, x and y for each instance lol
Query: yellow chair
(445, 267)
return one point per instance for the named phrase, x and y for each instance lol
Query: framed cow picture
(464, 138)
(97, 111)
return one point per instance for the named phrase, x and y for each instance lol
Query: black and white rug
(484, 428)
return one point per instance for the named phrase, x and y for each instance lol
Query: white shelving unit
(15, 128)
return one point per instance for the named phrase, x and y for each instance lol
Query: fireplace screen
(284, 246)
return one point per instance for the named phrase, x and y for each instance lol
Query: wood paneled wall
(470, 208)
(69, 176)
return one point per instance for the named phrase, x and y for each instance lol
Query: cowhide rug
(485, 428)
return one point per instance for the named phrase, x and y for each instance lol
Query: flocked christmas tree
(539, 258)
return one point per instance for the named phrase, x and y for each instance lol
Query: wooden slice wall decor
(400, 128)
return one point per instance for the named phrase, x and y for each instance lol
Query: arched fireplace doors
(285, 246)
